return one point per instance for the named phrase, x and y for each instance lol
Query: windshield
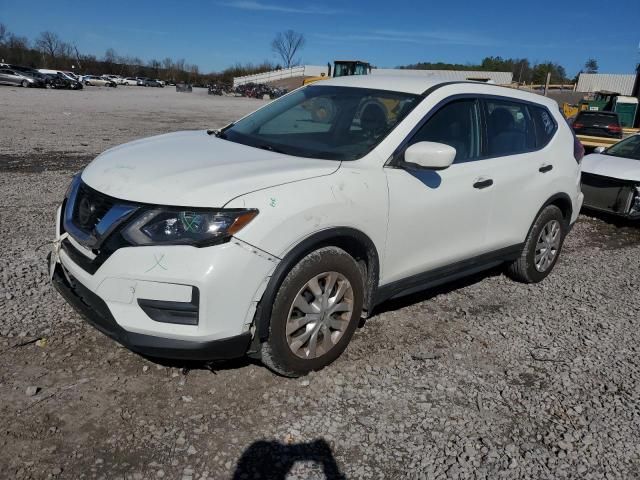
(334, 123)
(628, 148)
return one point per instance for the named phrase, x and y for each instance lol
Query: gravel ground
(483, 378)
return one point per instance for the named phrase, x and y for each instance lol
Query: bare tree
(155, 65)
(4, 33)
(49, 44)
(286, 45)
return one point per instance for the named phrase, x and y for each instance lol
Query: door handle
(481, 183)
(545, 168)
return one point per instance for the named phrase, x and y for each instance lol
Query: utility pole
(546, 84)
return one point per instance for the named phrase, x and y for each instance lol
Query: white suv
(273, 236)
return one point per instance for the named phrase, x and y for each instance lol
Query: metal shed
(594, 82)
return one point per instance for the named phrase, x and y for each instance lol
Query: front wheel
(315, 313)
(25, 84)
(542, 247)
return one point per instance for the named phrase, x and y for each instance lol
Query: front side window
(456, 124)
(327, 122)
(510, 128)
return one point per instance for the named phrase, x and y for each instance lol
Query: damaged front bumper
(173, 301)
(611, 195)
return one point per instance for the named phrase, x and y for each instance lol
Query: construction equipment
(342, 68)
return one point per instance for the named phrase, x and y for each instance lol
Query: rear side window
(545, 125)
(510, 128)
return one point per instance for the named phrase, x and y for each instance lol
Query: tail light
(615, 129)
(577, 126)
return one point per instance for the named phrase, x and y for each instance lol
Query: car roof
(420, 83)
(416, 84)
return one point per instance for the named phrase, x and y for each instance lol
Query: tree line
(48, 50)
(522, 69)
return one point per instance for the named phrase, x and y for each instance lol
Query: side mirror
(431, 155)
(599, 150)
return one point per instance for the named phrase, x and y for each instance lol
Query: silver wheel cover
(547, 245)
(319, 316)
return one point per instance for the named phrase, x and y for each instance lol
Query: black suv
(597, 124)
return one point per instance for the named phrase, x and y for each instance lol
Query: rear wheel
(315, 313)
(542, 247)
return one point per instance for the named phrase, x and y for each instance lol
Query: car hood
(194, 169)
(610, 166)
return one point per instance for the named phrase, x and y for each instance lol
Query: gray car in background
(9, 76)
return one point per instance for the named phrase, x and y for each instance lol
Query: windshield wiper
(271, 148)
(220, 131)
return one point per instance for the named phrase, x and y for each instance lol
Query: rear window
(510, 128)
(590, 119)
(545, 125)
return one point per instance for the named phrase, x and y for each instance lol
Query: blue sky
(217, 33)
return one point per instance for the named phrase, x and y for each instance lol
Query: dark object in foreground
(274, 460)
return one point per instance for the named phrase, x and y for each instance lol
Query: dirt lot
(484, 378)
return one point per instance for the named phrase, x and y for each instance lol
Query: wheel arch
(560, 200)
(353, 241)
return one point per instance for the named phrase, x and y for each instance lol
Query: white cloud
(271, 7)
(426, 37)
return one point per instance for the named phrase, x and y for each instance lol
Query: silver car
(13, 77)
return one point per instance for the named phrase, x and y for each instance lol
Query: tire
(24, 84)
(541, 248)
(290, 349)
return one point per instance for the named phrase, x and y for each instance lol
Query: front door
(439, 217)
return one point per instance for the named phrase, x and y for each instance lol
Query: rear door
(522, 165)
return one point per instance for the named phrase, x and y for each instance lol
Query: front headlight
(167, 226)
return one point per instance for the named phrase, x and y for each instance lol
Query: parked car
(130, 81)
(611, 179)
(118, 79)
(60, 80)
(148, 82)
(9, 76)
(99, 81)
(274, 235)
(72, 75)
(597, 124)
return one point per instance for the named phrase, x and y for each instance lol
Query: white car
(273, 236)
(611, 179)
(118, 79)
(130, 81)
